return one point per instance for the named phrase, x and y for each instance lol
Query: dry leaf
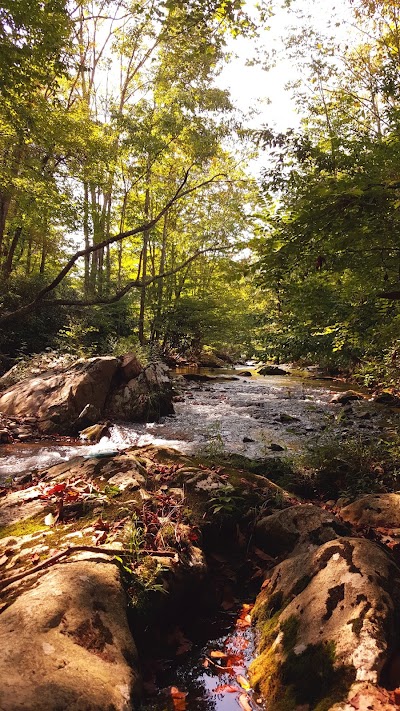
(244, 702)
(49, 520)
(216, 654)
(225, 689)
(243, 682)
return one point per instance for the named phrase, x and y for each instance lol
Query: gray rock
(66, 644)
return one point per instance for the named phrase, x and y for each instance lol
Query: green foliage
(351, 467)
(226, 502)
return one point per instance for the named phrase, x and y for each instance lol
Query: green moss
(24, 528)
(290, 628)
(301, 584)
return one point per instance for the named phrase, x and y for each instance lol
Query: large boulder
(58, 399)
(382, 510)
(146, 397)
(66, 644)
(297, 526)
(328, 620)
(68, 400)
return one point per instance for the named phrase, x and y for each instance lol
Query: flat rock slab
(374, 510)
(66, 644)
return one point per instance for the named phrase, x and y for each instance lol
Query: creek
(252, 416)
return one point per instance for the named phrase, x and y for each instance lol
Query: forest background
(133, 210)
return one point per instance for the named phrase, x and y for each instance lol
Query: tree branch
(180, 193)
(135, 283)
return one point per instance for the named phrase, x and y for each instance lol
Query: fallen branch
(77, 549)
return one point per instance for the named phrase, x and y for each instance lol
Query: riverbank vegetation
(130, 215)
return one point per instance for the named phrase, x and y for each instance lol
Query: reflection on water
(204, 682)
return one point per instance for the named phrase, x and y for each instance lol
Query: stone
(328, 620)
(127, 481)
(95, 432)
(131, 367)
(66, 644)
(272, 370)
(247, 439)
(286, 419)
(387, 398)
(346, 397)
(275, 447)
(374, 510)
(297, 527)
(245, 374)
(58, 399)
(144, 398)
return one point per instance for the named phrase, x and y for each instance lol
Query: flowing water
(253, 416)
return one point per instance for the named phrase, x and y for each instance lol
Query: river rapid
(254, 416)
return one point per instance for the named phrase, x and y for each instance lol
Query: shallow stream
(254, 416)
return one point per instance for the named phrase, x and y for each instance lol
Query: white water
(214, 416)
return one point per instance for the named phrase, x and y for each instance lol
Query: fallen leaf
(244, 702)
(178, 698)
(101, 525)
(57, 489)
(225, 689)
(243, 682)
(217, 654)
(244, 623)
(3, 560)
(100, 538)
(49, 520)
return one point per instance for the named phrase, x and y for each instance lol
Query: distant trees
(115, 171)
(329, 248)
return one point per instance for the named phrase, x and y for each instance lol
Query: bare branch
(136, 283)
(180, 193)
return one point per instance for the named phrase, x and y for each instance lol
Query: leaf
(49, 520)
(57, 489)
(244, 702)
(225, 689)
(178, 698)
(217, 654)
(243, 682)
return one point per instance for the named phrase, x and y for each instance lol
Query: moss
(24, 528)
(289, 628)
(301, 584)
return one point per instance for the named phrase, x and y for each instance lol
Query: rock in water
(66, 401)
(145, 398)
(272, 370)
(58, 399)
(348, 396)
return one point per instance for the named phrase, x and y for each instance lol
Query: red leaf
(178, 698)
(57, 489)
(226, 689)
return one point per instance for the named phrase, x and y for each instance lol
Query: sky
(252, 86)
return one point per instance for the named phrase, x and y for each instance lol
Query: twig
(77, 549)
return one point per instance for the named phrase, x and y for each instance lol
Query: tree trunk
(7, 267)
(142, 339)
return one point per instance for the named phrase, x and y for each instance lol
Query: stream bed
(254, 416)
